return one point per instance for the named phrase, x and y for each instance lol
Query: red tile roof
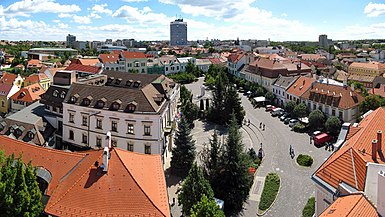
(133, 55)
(358, 149)
(8, 78)
(235, 57)
(58, 163)
(216, 61)
(87, 62)
(134, 186)
(4, 89)
(109, 58)
(354, 205)
(35, 78)
(334, 95)
(300, 86)
(34, 63)
(83, 68)
(378, 91)
(29, 94)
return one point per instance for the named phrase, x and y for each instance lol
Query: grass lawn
(309, 209)
(270, 191)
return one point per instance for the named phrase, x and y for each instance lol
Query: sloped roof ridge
(140, 187)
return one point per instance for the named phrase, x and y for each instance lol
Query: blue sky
(278, 20)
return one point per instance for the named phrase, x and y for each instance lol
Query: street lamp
(88, 126)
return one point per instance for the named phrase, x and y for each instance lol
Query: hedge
(270, 191)
(309, 209)
(304, 160)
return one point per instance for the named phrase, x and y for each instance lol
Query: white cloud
(101, 9)
(284, 15)
(143, 16)
(26, 7)
(56, 21)
(374, 9)
(134, 0)
(81, 19)
(62, 26)
(1, 10)
(64, 15)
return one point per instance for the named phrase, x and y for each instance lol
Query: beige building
(132, 62)
(369, 69)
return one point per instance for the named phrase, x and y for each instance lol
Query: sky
(277, 20)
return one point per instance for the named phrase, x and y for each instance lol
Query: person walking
(260, 125)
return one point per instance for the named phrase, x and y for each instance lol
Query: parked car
(276, 112)
(287, 120)
(283, 117)
(322, 138)
(269, 108)
(293, 122)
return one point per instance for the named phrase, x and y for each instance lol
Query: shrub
(270, 191)
(309, 209)
(183, 78)
(304, 160)
(300, 128)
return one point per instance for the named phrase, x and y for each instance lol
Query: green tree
(188, 108)
(19, 192)
(183, 154)
(233, 181)
(269, 96)
(210, 157)
(300, 110)
(290, 106)
(316, 119)
(260, 91)
(193, 188)
(233, 104)
(206, 208)
(333, 125)
(217, 110)
(371, 102)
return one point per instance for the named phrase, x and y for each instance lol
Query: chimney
(374, 150)
(379, 140)
(108, 138)
(380, 193)
(106, 156)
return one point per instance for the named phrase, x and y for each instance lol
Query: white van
(293, 122)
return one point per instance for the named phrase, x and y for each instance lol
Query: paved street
(296, 185)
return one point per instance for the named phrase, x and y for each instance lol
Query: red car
(322, 138)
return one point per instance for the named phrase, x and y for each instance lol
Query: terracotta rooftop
(29, 93)
(354, 205)
(132, 55)
(4, 89)
(8, 78)
(83, 68)
(58, 163)
(88, 62)
(34, 63)
(134, 186)
(35, 78)
(378, 91)
(370, 65)
(300, 86)
(361, 78)
(339, 167)
(235, 57)
(109, 58)
(312, 57)
(336, 96)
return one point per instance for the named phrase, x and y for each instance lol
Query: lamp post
(88, 126)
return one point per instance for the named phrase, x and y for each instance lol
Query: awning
(260, 99)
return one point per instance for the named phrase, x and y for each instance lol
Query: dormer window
(118, 81)
(22, 94)
(31, 135)
(129, 82)
(131, 106)
(74, 98)
(101, 103)
(63, 94)
(55, 93)
(116, 105)
(137, 83)
(87, 101)
(110, 79)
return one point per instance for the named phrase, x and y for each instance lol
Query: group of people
(262, 125)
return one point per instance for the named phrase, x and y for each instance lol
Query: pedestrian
(260, 125)
(263, 126)
(290, 150)
(249, 122)
(310, 139)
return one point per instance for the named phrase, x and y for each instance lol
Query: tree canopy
(371, 102)
(316, 119)
(193, 189)
(206, 208)
(19, 191)
(300, 110)
(333, 125)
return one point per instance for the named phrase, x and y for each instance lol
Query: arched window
(55, 93)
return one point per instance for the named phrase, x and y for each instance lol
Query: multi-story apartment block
(133, 62)
(178, 32)
(138, 109)
(280, 86)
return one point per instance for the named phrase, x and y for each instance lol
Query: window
(130, 147)
(98, 142)
(71, 135)
(147, 130)
(114, 143)
(71, 118)
(98, 123)
(61, 110)
(63, 94)
(147, 149)
(143, 64)
(115, 106)
(55, 93)
(131, 108)
(114, 126)
(2, 103)
(130, 129)
(341, 115)
(100, 103)
(85, 120)
(84, 138)
(333, 112)
(314, 107)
